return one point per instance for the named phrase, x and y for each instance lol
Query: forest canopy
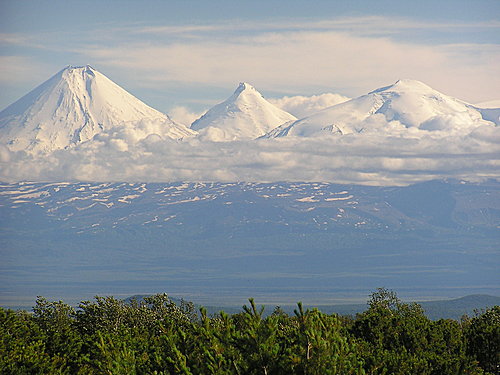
(157, 336)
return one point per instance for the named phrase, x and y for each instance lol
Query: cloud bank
(183, 115)
(373, 158)
(302, 106)
(293, 61)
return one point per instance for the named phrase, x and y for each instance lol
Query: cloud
(494, 103)
(360, 25)
(4, 154)
(18, 75)
(294, 61)
(183, 115)
(374, 158)
(302, 106)
(349, 55)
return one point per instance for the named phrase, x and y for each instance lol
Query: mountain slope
(244, 115)
(318, 243)
(72, 107)
(407, 104)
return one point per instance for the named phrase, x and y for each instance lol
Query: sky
(185, 56)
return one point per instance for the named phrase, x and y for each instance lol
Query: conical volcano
(244, 115)
(72, 107)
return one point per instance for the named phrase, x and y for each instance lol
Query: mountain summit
(244, 115)
(405, 105)
(72, 107)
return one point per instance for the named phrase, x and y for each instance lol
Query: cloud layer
(302, 106)
(375, 158)
(291, 61)
(183, 115)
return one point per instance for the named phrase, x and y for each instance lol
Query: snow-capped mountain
(72, 107)
(407, 104)
(244, 115)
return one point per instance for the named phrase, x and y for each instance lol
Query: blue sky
(193, 54)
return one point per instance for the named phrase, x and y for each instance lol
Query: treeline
(157, 336)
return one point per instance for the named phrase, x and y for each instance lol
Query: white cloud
(376, 158)
(183, 115)
(360, 25)
(347, 55)
(302, 106)
(494, 103)
(4, 154)
(291, 61)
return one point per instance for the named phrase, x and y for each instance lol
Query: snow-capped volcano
(407, 104)
(72, 107)
(244, 115)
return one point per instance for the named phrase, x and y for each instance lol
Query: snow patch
(307, 199)
(128, 198)
(338, 198)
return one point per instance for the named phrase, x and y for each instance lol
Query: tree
(322, 346)
(398, 338)
(483, 339)
(23, 347)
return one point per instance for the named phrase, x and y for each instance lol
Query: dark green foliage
(56, 321)
(322, 346)
(22, 346)
(157, 336)
(397, 338)
(483, 339)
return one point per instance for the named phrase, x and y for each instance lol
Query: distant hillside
(309, 242)
(435, 310)
(456, 308)
(445, 309)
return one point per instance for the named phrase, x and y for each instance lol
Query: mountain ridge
(405, 106)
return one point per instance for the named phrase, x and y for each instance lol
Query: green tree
(322, 346)
(23, 347)
(57, 322)
(398, 338)
(483, 339)
(215, 351)
(257, 341)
